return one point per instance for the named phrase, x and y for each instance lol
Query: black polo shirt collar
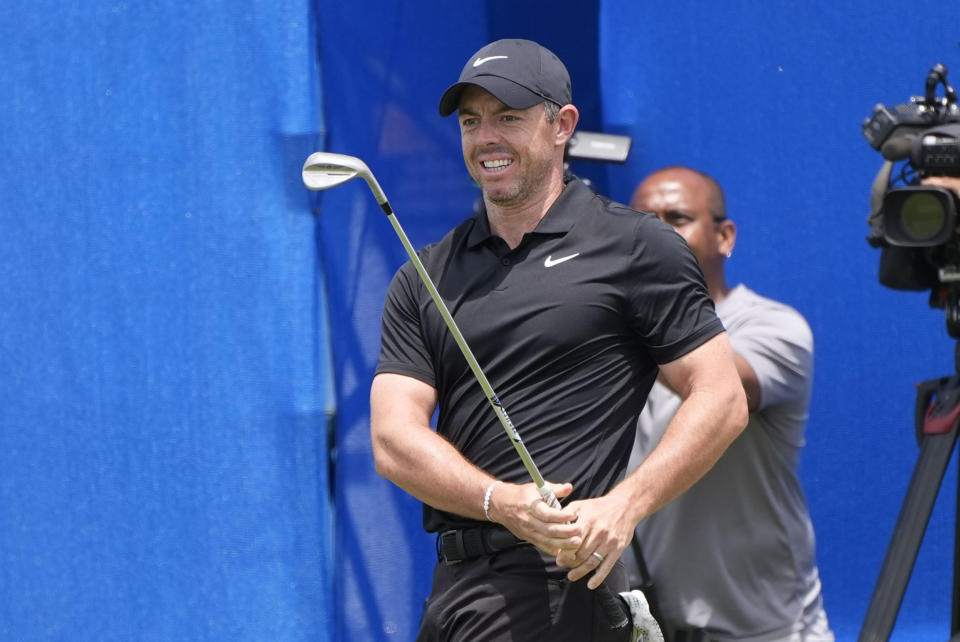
(559, 219)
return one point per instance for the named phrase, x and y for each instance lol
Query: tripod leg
(955, 604)
(907, 534)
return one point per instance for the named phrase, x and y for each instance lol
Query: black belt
(462, 544)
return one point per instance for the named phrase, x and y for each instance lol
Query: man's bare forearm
(712, 414)
(413, 456)
(429, 468)
(707, 422)
(702, 429)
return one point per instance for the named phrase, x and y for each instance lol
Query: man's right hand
(948, 182)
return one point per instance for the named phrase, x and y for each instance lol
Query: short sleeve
(671, 308)
(403, 349)
(778, 345)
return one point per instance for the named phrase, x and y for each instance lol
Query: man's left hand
(607, 531)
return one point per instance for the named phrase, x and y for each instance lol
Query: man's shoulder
(633, 232)
(745, 311)
(742, 299)
(618, 213)
(582, 195)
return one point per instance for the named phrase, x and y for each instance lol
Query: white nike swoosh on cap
(480, 61)
(550, 261)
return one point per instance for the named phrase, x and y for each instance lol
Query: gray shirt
(735, 553)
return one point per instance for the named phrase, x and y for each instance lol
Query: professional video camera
(916, 225)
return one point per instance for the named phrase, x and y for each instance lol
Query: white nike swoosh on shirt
(550, 262)
(480, 61)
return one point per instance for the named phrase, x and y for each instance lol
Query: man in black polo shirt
(572, 304)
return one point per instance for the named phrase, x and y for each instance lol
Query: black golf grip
(613, 608)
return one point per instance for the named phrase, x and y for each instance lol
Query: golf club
(323, 170)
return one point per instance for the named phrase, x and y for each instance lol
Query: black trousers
(515, 595)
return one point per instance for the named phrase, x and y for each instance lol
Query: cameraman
(733, 557)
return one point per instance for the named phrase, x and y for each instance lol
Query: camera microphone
(898, 147)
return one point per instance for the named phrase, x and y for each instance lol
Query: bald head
(693, 203)
(691, 181)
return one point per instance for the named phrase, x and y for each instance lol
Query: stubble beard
(527, 185)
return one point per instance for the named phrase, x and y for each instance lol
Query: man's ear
(566, 122)
(727, 233)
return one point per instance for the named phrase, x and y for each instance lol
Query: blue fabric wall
(163, 425)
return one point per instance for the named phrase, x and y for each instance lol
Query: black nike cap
(519, 73)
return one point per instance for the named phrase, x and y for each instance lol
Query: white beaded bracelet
(486, 500)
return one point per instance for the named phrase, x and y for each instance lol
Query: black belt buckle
(451, 547)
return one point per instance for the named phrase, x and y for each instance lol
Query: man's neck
(512, 222)
(718, 288)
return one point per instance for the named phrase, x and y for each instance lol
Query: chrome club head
(323, 170)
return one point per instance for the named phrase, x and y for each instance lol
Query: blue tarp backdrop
(183, 325)
(163, 424)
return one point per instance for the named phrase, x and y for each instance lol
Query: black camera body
(915, 225)
(925, 133)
